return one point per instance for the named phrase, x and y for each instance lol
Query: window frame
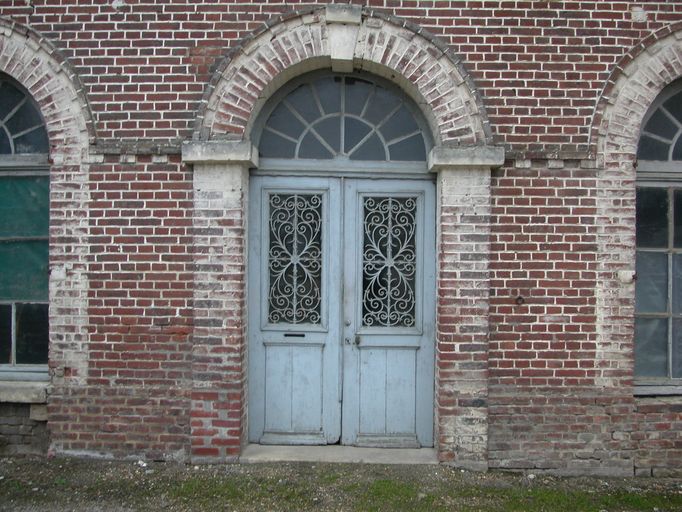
(15, 165)
(665, 174)
(340, 163)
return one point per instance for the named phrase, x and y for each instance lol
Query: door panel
(341, 311)
(389, 315)
(294, 350)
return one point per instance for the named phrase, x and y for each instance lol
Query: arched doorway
(341, 267)
(237, 104)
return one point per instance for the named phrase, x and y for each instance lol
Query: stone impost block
(445, 157)
(225, 151)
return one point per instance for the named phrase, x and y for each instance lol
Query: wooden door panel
(293, 385)
(387, 393)
(294, 391)
(389, 278)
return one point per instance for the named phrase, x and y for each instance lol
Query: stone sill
(23, 392)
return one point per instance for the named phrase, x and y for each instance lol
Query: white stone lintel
(239, 152)
(445, 157)
(23, 392)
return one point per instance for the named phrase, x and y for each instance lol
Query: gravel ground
(37, 484)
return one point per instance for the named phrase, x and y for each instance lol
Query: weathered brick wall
(22, 432)
(141, 364)
(540, 65)
(548, 410)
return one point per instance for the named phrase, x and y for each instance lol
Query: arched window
(658, 311)
(343, 117)
(24, 219)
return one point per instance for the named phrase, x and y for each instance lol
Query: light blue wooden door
(294, 338)
(389, 313)
(341, 311)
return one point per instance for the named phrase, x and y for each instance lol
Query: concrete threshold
(256, 453)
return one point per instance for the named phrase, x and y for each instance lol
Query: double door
(341, 311)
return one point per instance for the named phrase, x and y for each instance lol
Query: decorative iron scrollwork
(295, 258)
(389, 262)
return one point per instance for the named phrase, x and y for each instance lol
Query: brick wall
(548, 409)
(540, 65)
(147, 289)
(23, 429)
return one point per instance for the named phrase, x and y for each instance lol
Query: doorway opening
(341, 277)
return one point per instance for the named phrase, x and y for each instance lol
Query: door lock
(356, 340)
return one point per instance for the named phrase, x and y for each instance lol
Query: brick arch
(638, 78)
(39, 67)
(297, 42)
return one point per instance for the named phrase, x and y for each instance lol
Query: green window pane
(5, 333)
(24, 273)
(651, 290)
(677, 349)
(32, 333)
(652, 217)
(651, 347)
(24, 206)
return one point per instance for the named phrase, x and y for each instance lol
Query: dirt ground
(37, 484)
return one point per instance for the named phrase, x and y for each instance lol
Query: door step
(256, 453)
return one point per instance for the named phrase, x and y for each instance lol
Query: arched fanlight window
(343, 117)
(24, 225)
(658, 305)
(22, 129)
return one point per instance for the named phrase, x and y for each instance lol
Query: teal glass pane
(674, 106)
(273, 145)
(357, 91)
(354, 131)
(10, 97)
(330, 130)
(661, 125)
(32, 333)
(329, 92)
(409, 149)
(284, 121)
(400, 124)
(24, 273)
(651, 289)
(652, 217)
(5, 333)
(311, 147)
(5, 147)
(32, 142)
(651, 347)
(301, 100)
(381, 104)
(677, 349)
(652, 149)
(24, 206)
(371, 149)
